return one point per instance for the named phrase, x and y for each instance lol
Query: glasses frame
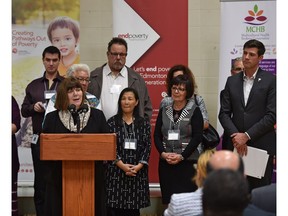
(179, 89)
(115, 54)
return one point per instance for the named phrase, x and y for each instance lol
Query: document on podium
(255, 162)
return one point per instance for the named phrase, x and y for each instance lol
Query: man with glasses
(82, 73)
(38, 94)
(111, 78)
(237, 66)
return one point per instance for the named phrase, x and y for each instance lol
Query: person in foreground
(189, 204)
(225, 193)
(178, 132)
(225, 159)
(248, 109)
(265, 197)
(63, 120)
(127, 183)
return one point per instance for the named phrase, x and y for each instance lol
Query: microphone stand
(78, 123)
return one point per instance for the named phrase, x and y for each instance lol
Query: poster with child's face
(33, 29)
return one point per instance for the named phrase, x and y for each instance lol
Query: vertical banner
(157, 37)
(32, 32)
(240, 22)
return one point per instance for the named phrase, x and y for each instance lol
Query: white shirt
(111, 89)
(247, 85)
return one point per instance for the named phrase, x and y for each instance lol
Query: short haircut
(62, 101)
(77, 67)
(179, 67)
(51, 50)
(63, 22)
(183, 80)
(240, 167)
(255, 44)
(225, 192)
(234, 61)
(117, 40)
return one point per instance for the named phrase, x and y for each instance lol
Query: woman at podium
(72, 115)
(127, 184)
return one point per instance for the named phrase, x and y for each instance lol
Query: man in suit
(265, 197)
(248, 109)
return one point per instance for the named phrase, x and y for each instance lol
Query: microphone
(83, 109)
(72, 108)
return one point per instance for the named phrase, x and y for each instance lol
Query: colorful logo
(255, 17)
(234, 51)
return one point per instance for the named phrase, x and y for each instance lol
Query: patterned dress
(126, 192)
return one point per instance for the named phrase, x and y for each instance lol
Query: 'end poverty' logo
(255, 17)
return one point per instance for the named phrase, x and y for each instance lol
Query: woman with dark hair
(184, 70)
(72, 115)
(127, 183)
(178, 133)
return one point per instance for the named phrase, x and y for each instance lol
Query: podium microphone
(72, 108)
(83, 109)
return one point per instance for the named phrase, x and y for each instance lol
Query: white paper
(255, 162)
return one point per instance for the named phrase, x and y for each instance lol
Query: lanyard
(127, 133)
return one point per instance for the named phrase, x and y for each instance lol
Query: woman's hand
(172, 158)
(175, 158)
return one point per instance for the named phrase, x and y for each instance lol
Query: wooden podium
(78, 153)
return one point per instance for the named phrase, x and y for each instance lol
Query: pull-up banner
(240, 22)
(157, 37)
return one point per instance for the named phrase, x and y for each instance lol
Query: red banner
(170, 47)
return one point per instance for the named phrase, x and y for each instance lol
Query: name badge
(130, 144)
(173, 134)
(48, 94)
(115, 89)
(34, 139)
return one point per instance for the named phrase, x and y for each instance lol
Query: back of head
(224, 159)
(202, 167)
(225, 193)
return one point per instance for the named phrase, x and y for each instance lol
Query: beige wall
(204, 30)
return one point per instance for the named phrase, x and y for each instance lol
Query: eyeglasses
(179, 89)
(83, 80)
(238, 69)
(122, 55)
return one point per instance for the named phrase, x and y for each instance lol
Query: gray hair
(235, 60)
(77, 67)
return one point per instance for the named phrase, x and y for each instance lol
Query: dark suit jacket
(258, 117)
(265, 197)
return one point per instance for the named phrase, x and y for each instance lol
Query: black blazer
(258, 117)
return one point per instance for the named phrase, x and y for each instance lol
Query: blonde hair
(201, 173)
